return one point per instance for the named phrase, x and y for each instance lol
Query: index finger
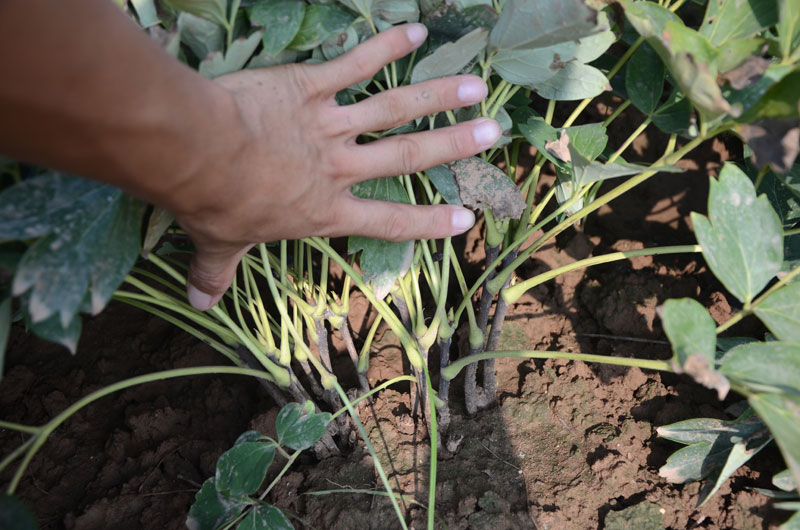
(366, 59)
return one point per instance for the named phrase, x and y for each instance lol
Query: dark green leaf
(265, 517)
(783, 192)
(482, 185)
(212, 509)
(201, 35)
(299, 430)
(585, 172)
(382, 262)
(589, 140)
(362, 7)
(674, 116)
(320, 22)
(448, 23)
(770, 366)
(281, 20)
(574, 81)
(780, 311)
(242, 468)
(451, 58)
(526, 24)
(53, 329)
(396, 11)
(14, 515)
(536, 131)
(214, 10)
(644, 78)
(743, 240)
(725, 20)
(240, 51)
(444, 180)
(529, 67)
(781, 413)
(5, 327)
(788, 28)
(779, 100)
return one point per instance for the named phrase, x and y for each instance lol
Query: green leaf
(14, 514)
(780, 312)
(382, 262)
(779, 100)
(675, 115)
(90, 238)
(536, 131)
(781, 413)
(320, 22)
(742, 239)
(482, 185)
(265, 517)
(160, 220)
(281, 20)
(765, 366)
(239, 52)
(242, 468)
(396, 11)
(590, 48)
(644, 78)
(748, 97)
(788, 27)
(451, 58)
(737, 52)
(526, 24)
(783, 192)
(783, 481)
(725, 20)
(710, 430)
(445, 182)
(585, 172)
(448, 23)
(300, 431)
(692, 334)
(574, 81)
(201, 35)
(214, 10)
(359, 6)
(53, 329)
(738, 456)
(793, 523)
(146, 13)
(589, 140)
(212, 509)
(5, 328)
(531, 66)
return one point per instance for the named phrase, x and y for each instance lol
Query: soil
(569, 446)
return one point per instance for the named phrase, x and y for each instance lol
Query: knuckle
(396, 227)
(303, 81)
(409, 154)
(394, 110)
(460, 143)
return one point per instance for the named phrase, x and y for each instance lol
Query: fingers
(408, 153)
(401, 105)
(401, 222)
(364, 61)
(211, 273)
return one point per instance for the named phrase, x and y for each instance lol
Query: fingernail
(472, 90)
(199, 300)
(486, 133)
(462, 219)
(417, 33)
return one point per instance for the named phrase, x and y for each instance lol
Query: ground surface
(570, 446)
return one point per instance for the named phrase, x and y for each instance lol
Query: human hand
(296, 157)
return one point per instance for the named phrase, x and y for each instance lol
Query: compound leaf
(281, 20)
(382, 262)
(242, 468)
(526, 24)
(725, 20)
(644, 78)
(212, 509)
(574, 81)
(298, 427)
(780, 312)
(765, 366)
(451, 58)
(265, 517)
(320, 22)
(742, 239)
(781, 413)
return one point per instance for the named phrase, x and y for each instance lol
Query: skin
(258, 155)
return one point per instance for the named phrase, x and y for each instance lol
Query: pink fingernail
(472, 90)
(486, 132)
(462, 219)
(417, 33)
(199, 300)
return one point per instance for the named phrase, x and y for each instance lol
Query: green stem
(280, 475)
(513, 293)
(635, 134)
(19, 427)
(619, 110)
(791, 232)
(456, 366)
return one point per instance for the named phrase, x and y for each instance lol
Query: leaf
(359, 6)
(158, 223)
(382, 262)
(53, 330)
(320, 22)
(585, 172)
(692, 334)
(300, 431)
(146, 13)
(770, 366)
(90, 237)
(527, 24)
(574, 81)
(783, 481)
(735, 53)
(747, 98)
(396, 11)
(214, 10)
(14, 514)
(281, 20)
(675, 115)
(774, 142)
(781, 413)
(212, 509)
(201, 35)
(644, 78)
(742, 239)
(783, 192)
(780, 312)
(788, 27)
(748, 73)
(5, 327)
(725, 20)
(778, 101)
(738, 456)
(265, 517)
(239, 52)
(482, 185)
(536, 131)
(710, 430)
(451, 58)
(448, 23)
(445, 182)
(590, 48)
(589, 140)
(242, 468)
(531, 66)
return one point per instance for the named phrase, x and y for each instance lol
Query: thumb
(211, 273)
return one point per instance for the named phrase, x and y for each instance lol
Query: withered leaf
(748, 73)
(774, 141)
(482, 185)
(560, 147)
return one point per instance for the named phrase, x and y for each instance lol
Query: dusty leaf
(738, 456)
(742, 238)
(482, 185)
(526, 24)
(233, 60)
(775, 142)
(212, 509)
(281, 19)
(451, 58)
